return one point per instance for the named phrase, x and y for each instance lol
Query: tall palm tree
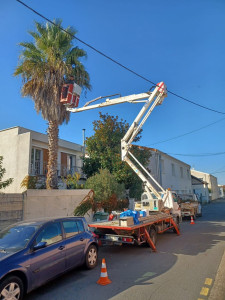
(44, 65)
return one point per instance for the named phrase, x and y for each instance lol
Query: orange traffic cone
(192, 221)
(104, 280)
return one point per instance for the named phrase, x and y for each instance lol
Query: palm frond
(45, 63)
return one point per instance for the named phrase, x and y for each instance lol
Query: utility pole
(83, 130)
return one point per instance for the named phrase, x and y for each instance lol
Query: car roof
(41, 221)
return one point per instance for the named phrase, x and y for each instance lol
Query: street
(183, 268)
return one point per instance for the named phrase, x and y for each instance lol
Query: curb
(218, 289)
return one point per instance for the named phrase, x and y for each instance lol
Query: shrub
(72, 181)
(107, 189)
(29, 182)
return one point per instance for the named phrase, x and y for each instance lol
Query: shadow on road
(132, 265)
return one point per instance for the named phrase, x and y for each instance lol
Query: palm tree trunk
(53, 136)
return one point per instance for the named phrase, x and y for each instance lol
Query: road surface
(184, 267)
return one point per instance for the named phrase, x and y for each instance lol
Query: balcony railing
(41, 169)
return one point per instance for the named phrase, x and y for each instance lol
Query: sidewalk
(218, 289)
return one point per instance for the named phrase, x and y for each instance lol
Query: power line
(187, 133)
(198, 155)
(218, 172)
(118, 63)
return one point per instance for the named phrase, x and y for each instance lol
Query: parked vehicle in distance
(35, 252)
(190, 206)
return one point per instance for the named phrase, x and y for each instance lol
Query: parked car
(34, 252)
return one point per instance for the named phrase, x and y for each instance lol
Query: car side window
(51, 234)
(80, 226)
(70, 228)
(175, 199)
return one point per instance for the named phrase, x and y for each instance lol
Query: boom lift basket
(150, 204)
(70, 95)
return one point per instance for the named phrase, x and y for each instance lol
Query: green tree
(104, 149)
(5, 183)
(106, 188)
(44, 65)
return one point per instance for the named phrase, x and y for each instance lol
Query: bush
(29, 182)
(72, 181)
(107, 189)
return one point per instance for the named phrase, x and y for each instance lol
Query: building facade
(25, 152)
(221, 190)
(212, 183)
(200, 188)
(170, 172)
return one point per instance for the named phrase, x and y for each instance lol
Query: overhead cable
(187, 133)
(116, 62)
(218, 172)
(198, 155)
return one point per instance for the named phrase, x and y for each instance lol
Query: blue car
(34, 252)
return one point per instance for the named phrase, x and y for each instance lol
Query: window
(72, 164)
(188, 173)
(173, 169)
(70, 228)
(36, 161)
(175, 197)
(51, 234)
(181, 172)
(80, 226)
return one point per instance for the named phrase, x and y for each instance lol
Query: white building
(212, 183)
(170, 172)
(25, 152)
(221, 191)
(200, 188)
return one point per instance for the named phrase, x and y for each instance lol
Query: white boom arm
(152, 99)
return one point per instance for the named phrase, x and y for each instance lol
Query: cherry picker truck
(162, 212)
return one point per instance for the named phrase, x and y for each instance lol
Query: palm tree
(44, 65)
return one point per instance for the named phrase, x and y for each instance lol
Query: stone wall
(52, 203)
(11, 209)
(34, 204)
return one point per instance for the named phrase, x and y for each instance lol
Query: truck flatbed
(112, 232)
(143, 222)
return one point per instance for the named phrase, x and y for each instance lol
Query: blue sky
(179, 42)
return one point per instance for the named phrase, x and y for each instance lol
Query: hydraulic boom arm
(152, 99)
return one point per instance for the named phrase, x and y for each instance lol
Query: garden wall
(40, 203)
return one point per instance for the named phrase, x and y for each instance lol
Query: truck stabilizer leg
(175, 226)
(150, 242)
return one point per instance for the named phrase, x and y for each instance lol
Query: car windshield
(15, 238)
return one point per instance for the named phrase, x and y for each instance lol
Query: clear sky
(179, 42)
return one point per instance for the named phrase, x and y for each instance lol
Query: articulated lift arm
(152, 99)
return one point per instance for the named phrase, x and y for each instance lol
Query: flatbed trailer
(112, 233)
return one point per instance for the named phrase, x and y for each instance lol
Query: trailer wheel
(153, 235)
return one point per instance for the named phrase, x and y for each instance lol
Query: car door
(75, 242)
(48, 262)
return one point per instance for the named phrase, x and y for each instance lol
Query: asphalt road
(184, 267)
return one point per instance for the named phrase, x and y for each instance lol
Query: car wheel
(91, 257)
(12, 288)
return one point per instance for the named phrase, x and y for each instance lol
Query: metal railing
(62, 170)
